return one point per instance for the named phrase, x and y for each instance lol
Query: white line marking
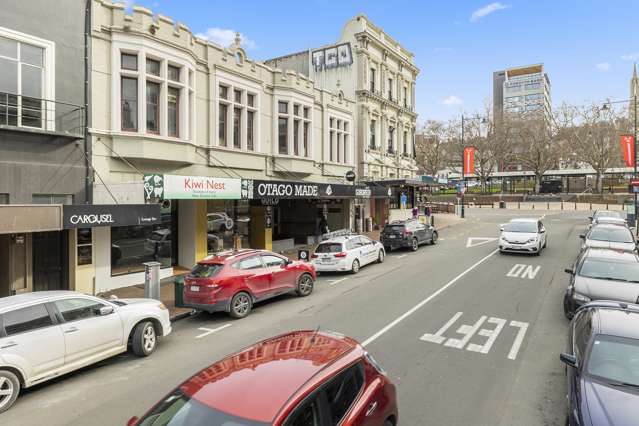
(523, 326)
(209, 331)
(333, 282)
(516, 270)
(530, 273)
(403, 255)
(491, 334)
(437, 337)
(480, 241)
(425, 301)
(468, 331)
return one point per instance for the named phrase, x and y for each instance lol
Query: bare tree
(591, 132)
(429, 147)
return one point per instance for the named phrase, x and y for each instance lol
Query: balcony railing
(41, 114)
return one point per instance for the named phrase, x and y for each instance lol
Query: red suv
(304, 378)
(232, 281)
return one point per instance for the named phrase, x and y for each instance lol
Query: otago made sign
(174, 187)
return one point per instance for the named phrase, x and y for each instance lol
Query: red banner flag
(628, 149)
(469, 160)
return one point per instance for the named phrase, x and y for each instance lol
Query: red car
(304, 378)
(233, 281)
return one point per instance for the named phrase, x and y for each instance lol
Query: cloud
(487, 10)
(442, 49)
(452, 101)
(630, 56)
(225, 37)
(603, 66)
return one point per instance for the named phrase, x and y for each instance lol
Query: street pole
(463, 189)
(635, 161)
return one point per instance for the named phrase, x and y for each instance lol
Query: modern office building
(519, 90)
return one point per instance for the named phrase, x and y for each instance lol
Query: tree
(591, 132)
(429, 147)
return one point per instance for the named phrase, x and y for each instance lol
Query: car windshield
(177, 409)
(394, 228)
(329, 248)
(607, 270)
(612, 234)
(615, 360)
(206, 270)
(528, 227)
(608, 214)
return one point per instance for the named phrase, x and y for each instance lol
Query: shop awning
(94, 215)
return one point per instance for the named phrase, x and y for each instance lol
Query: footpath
(167, 285)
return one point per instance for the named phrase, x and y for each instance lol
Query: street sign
(628, 149)
(350, 176)
(303, 255)
(469, 160)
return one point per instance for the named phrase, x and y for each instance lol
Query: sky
(587, 47)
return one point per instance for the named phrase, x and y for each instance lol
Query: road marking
(523, 326)
(403, 255)
(333, 282)
(210, 331)
(481, 241)
(523, 271)
(425, 301)
(471, 330)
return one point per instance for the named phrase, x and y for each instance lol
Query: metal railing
(44, 114)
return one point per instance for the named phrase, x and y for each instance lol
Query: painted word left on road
(468, 331)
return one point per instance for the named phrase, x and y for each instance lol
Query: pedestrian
(402, 201)
(415, 212)
(323, 225)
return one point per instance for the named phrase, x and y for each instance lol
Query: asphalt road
(468, 335)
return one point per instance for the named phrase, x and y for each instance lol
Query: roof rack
(338, 233)
(611, 304)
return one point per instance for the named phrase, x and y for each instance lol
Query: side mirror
(569, 271)
(590, 217)
(132, 421)
(543, 231)
(106, 310)
(582, 236)
(569, 360)
(501, 228)
(288, 262)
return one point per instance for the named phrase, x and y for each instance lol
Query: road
(468, 335)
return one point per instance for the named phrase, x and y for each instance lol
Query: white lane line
(333, 282)
(211, 331)
(403, 255)
(523, 326)
(425, 301)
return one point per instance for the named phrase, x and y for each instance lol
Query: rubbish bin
(502, 204)
(179, 291)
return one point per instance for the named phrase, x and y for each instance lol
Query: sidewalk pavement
(167, 285)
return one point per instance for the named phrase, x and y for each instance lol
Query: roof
(525, 219)
(340, 239)
(37, 296)
(227, 255)
(614, 320)
(610, 225)
(612, 255)
(267, 373)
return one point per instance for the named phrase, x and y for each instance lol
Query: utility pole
(463, 188)
(635, 159)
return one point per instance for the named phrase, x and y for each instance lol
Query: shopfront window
(131, 246)
(225, 219)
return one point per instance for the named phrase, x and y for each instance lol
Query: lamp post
(463, 189)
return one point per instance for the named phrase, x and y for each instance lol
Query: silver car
(608, 216)
(608, 235)
(602, 274)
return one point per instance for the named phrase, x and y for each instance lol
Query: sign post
(629, 149)
(469, 167)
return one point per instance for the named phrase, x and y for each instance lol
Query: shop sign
(174, 187)
(94, 215)
(269, 191)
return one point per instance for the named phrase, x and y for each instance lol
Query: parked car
(232, 281)
(303, 378)
(49, 333)
(606, 235)
(602, 274)
(158, 243)
(607, 216)
(407, 234)
(347, 253)
(602, 360)
(523, 236)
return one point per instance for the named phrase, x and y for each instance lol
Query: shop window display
(225, 218)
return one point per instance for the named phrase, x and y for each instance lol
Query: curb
(182, 315)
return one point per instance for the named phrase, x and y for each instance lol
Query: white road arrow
(478, 241)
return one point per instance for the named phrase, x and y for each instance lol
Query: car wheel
(144, 339)
(240, 305)
(355, 266)
(545, 243)
(9, 389)
(388, 422)
(388, 248)
(567, 312)
(433, 241)
(304, 285)
(380, 256)
(414, 244)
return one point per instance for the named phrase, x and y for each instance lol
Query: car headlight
(162, 306)
(532, 240)
(504, 239)
(578, 297)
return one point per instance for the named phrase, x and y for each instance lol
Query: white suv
(347, 253)
(46, 334)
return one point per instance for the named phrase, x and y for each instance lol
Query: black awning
(94, 215)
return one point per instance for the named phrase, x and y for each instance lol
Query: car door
(89, 335)
(420, 230)
(256, 275)
(581, 333)
(368, 246)
(341, 396)
(32, 340)
(283, 273)
(542, 233)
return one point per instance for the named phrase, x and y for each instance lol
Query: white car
(49, 333)
(347, 253)
(522, 236)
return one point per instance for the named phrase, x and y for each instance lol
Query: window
(84, 246)
(242, 104)
(296, 136)
(238, 96)
(206, 270)
(173, 73)
(282, 132)
(373, 143)
(391, 133)
(305, 152)
(298, 117)
(221, 126)
(253, 262)
(341, 393)
(339, 140)
(307, 415)
(405, 97)
(224, 92)
(272, 261)
(307, 112)
(152, 67)
(129, 99)
(173, 109)
(26, 319)
(331, 145)
(390, 89)
(152, 107)
(237, 118)
(250, 129)
(78, 309)
(220, 213)
(52, 199)
(405, 143)
(372, 80)
(129, 61)
(282, 107)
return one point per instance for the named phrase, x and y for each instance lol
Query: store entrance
(50, 270)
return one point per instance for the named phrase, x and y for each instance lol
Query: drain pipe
(88, 187)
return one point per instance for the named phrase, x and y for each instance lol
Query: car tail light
(314, 256)
(340, 254)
